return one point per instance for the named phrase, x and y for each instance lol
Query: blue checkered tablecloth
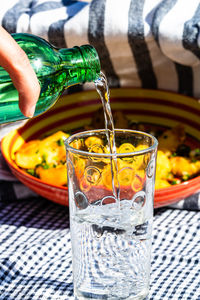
(35, 251)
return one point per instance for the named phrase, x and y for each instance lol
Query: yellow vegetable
(56, 176)
(163, 167)
(45, 158)
(161, 183)
(52, 148)
(28, 156)
(182, 166)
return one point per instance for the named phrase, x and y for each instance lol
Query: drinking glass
(111, 213)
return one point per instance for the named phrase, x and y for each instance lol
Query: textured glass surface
(56, 69)
(111, 232)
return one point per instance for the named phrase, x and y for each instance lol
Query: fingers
(28, 87)
(14, 60)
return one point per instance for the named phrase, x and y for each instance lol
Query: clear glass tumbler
(111, 213)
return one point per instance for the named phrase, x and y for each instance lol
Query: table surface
(35, 251)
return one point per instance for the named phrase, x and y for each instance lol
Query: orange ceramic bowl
(76, 110)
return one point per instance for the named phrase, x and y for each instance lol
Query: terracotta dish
(71, 112)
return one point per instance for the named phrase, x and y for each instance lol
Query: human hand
(14, 60)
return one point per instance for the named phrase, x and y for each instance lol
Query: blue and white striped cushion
(141, 43)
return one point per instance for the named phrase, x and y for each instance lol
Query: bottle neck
(81, 64)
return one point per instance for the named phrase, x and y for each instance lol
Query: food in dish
(176, 161)
(45, 159)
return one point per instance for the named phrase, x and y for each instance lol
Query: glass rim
(108, 155)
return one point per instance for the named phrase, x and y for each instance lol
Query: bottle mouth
(91, 62)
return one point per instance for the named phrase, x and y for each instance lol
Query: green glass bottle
(56, 70)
